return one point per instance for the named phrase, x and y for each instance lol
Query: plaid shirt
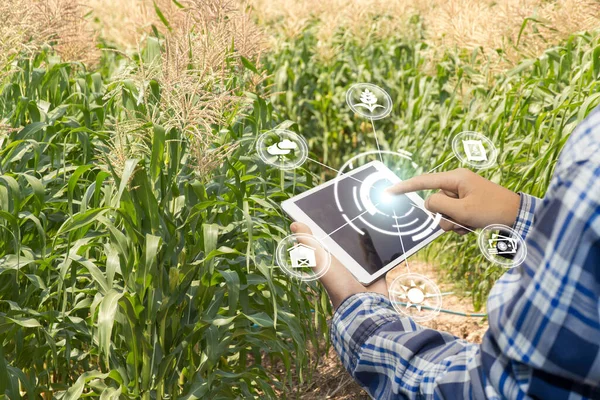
(544, 336)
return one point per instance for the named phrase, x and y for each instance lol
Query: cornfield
(137, 225)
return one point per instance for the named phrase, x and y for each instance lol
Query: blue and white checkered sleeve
(392, 357)
(544, 336)
(524, 219)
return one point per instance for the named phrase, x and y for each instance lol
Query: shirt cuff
(357, 319)
(525, 216)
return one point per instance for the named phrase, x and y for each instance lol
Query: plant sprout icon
(369, 100)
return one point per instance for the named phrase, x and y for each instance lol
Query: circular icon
(415, 296)
(303, 256)
(474, 149)
(282, 149)
(502, 245)
(367, 207)
(369, 101)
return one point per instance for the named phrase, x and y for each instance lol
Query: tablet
(366, 229)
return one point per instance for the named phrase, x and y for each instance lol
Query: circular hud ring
(474, 149)
(502, 245)
(282, 149)
(369, 101)
(365, 206)
(303, 256)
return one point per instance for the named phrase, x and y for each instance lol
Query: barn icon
(302, 255)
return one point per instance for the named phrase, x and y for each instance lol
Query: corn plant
(137, 228)
(141, 280)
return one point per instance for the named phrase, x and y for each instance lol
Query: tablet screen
(372, 227)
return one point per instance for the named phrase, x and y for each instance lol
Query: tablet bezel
(362, 275)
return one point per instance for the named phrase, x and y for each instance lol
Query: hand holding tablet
(340, 283)
(367, 230)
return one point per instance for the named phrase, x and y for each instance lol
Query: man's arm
(391, 357)
(388, 355)
(464, 197)
(544, 336)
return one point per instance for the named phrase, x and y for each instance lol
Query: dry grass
(27, 26)
(470, 24)
(448, 24)
(123, 23)
(194, 72)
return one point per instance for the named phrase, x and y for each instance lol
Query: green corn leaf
(106, 318)
(5, 381)
(158, 151)
(15, 191)
(111, 393)
(127, 173)
(112, 265)
(31, 129)
(75, 391)
(233, 289)
(261, 319)
(97, 275)
(249, 64)
(211, 235)
(161, 16)
(74, 180)
(153, 244)
(82, 220)
(25, 322)
(37, 186)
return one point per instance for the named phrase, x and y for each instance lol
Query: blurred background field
(137, 226)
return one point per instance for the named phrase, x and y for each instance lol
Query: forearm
(393, 357)
(340, 284)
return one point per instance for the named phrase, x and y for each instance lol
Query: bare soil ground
(332, 380)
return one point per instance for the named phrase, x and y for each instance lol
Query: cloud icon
(287, 144)
(282, 148)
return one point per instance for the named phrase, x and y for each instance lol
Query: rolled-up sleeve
(544, 314)
(392, 357)
(525, 217)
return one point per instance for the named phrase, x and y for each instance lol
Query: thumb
(299, 227)
(306, 237)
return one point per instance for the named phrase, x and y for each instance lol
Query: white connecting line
(349, 221)
(453, 156)
(401, 241)
(376, 140)
(333, 169)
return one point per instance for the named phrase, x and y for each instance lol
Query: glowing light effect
(386, 197)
